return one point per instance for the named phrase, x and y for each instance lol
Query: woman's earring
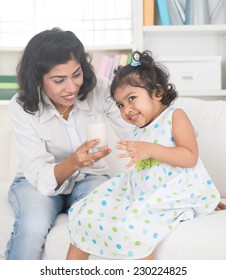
(39, 92)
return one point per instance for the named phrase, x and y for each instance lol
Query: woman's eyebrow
(63, 76)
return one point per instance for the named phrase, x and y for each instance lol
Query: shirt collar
(49, 111)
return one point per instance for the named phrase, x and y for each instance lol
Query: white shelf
(4, 102)
(213, 29)
(202, 93)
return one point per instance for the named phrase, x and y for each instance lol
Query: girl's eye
(119, 106)
(131, 98)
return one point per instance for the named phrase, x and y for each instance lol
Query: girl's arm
(185, 154)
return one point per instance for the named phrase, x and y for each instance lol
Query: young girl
(127, 216)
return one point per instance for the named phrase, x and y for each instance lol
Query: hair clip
(135, 63)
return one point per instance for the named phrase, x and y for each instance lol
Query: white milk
(97, 131)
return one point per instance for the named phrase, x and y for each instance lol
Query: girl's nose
(128, 110)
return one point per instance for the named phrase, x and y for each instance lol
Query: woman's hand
(82, 156)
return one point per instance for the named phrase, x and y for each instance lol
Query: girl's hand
(82, 156)
(136, 150)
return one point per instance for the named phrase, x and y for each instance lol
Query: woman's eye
(59, 81)
(76, 75)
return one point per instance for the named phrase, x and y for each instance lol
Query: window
(95, 22)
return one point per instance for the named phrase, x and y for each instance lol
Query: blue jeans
(35, 215)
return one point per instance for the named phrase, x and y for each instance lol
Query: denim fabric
(35, 215)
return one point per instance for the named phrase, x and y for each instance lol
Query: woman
(57, 89)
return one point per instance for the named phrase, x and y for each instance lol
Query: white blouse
(45, 139)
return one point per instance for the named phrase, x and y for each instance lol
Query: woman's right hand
(82, 156)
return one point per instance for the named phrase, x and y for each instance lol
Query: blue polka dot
(101, 214)
(86, 233)
(147, 205)
(142, 193)
(163, 131)
(94, 241)
(156, 125)
(71, 209)
(209, 182)
(171, 139)
(101, 227)
(170, 173)
(164, 185)
(113, 183)
(203, 198)
(147, 177)
(171, 205)
(79, 223)
(123, 220)
(103, 202)
(155, 235)
(110, 190)
(118, 246)
(101, 251)
(130, 253)
(192, 195)
(145, 231)
(109, 237)
(131, 227)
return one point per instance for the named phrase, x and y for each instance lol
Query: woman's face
(63, 82)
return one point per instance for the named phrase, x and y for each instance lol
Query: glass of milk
(96, 129)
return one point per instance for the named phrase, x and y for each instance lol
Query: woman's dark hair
(44, 51)
(144, 72)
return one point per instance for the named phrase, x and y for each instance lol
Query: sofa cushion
(209, 118)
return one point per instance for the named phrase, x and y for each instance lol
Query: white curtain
(95, 22)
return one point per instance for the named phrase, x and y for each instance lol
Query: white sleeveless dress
(127, 216)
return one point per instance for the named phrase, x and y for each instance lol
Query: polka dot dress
(127, 216)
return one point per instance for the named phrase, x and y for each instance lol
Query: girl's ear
(158, 92)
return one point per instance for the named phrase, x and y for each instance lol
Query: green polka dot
(89, 225)
(90, 212)
(160, 179)
(94, 192)
(206, 206)
(126, 237)
(137, 243)
(159, 199)
(175, 213)
(147, 221)
(135, 211)
(105, 244)
(213, 196)
(114, 229)
(114, 218)
(83, 239)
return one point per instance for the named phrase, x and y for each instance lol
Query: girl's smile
(137, 106)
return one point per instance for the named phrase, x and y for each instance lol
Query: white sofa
(201, 238)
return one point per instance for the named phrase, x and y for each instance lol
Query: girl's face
(63, 83)
(137, 106)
